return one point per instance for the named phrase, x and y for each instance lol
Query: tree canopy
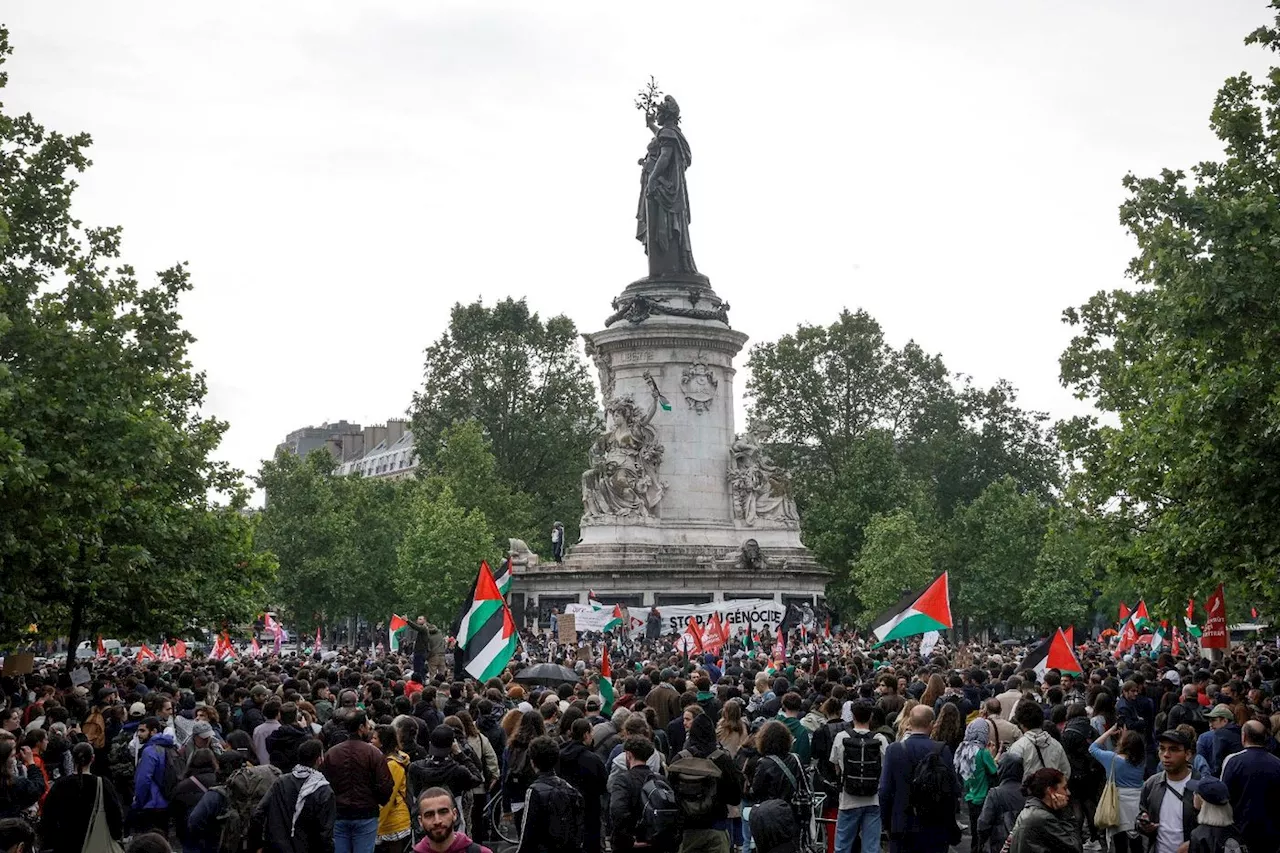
(1181, 472)
(524, 382)
(108, 488)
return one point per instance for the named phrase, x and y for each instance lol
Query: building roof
(384, 459)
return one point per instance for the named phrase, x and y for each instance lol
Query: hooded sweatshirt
(1037, 749)
(459, 844)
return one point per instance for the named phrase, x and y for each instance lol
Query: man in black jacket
(1171, 813)
(625, 805)
(709, 833)
(279, 826)
(583, 769)
(552, 821)
(447, 766)
(283, 743)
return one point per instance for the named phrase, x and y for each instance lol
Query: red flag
(827, 628)
(1191, 610)
(713, 634)
(255, 650)
(102, 648)
(1128, 639)
(145, 653)
(180, 649)
(781, 651)
(1070, 634)
(1253, 611)
(1177, 646)
(694, 633)
(1124, 612)
(1215, 626)
(319, 646)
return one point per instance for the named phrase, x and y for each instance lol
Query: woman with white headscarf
(977, 769)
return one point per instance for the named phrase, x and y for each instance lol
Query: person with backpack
(779, 775)
(201, 775)
(447, 766)
(1087, 775)
(827, 776)
(919, 790)
(706, 783)
(584, 770)
(298, 812)
(155, 779)
(977, 770)
(857, 759)
(642, 806)
(553, 809)
(1188, 712)
(1003, 805)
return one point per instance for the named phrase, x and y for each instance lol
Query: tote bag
(98, 839)
(1107, 814)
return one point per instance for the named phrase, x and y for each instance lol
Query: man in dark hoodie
(583, 769)
(299, 810)
(1002, 805)
(283, 742)
(710, 832)
(710, 704)
(1087, 775)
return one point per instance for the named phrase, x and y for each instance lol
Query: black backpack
(660, 815)
(863, 760)
(934, 789)
(827, 779)
(563, 821)
(175, 767)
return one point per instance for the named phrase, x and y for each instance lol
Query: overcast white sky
(338, 174)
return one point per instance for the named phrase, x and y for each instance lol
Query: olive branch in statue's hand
(647, 101)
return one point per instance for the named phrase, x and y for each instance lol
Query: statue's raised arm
(654, 396)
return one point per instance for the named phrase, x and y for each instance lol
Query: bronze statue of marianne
(662, 220)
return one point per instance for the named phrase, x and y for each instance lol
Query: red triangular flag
(1125, 612)
(1070, 633)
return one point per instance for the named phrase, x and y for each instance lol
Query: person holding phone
(1127, 764)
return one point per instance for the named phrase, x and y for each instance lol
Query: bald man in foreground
(918, 790)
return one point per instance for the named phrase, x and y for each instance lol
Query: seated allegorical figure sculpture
(761, 490)
(623, 480)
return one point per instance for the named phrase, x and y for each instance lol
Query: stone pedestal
(682, 539)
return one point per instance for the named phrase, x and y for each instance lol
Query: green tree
(992, 546)
(1186, 364)
(465, 464)
(867, 429)
(440, 554)
(113, 517)
(1063, 586)
(524, 381)
(897, 557)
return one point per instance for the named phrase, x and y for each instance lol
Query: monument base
(643, 575)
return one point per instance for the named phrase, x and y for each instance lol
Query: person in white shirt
(859, 787)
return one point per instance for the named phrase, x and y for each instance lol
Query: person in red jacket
(361, 784)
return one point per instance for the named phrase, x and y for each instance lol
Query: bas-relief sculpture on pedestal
(761, 490)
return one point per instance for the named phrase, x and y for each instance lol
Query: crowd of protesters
(735, 750)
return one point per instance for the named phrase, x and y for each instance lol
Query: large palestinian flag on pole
(916, 613)
(1054, 653)
(502, 577)
(486, 632)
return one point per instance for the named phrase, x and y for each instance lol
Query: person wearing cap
(1224, 736)
(203, 737)
(1252, 777)
(1215, 823)
(447, 766)
(1169, 812)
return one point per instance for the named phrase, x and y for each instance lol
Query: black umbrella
(1010, 643)
(549, 674)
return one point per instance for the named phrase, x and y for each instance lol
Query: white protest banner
(590, 618)
(761, 615)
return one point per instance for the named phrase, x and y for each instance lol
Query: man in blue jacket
(1252, 777)
(912, 830)
(150, 805)
(1224, 736)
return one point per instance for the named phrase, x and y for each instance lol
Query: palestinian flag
(1054, 653)
(664, 402)
(1157, 637)
(395, 632)
(1125, 613)
(1192, 629)
(615, 621)
(1070, 633)
(916, 613)
(1140, 618)
(749, 642)
(502, 577)
(486, 632)
(222, 649)
(606, 681)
